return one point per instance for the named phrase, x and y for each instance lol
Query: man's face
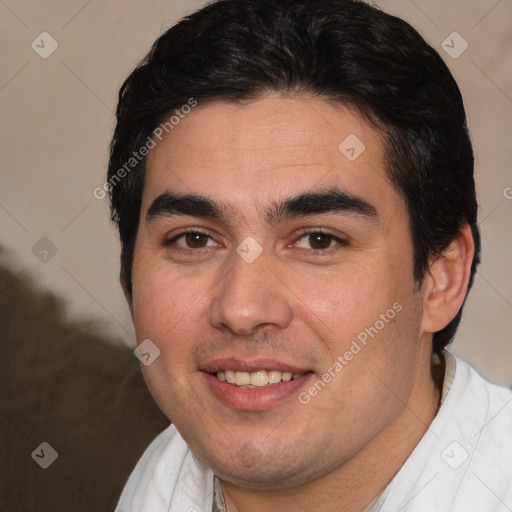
(266, 249)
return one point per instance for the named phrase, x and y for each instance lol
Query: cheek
(164, 303)
(365, 304)
(171, 311)
(346, 299)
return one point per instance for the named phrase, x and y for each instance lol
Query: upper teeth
(256, 379)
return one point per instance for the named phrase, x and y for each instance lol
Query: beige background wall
(57, 120)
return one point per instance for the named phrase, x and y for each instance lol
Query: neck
(357, 484)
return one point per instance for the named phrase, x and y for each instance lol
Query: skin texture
(294, 303)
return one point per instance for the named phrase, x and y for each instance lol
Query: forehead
(255, 152)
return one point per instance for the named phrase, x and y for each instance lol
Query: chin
(273, 469)
(261, 477)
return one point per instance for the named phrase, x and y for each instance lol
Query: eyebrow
(332, 200)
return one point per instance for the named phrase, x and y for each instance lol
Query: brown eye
(191, 240)
(196, 240)
(319, 241)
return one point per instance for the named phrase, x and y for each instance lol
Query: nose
(249, 298)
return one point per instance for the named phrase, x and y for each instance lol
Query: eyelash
(196, 252)
(340, 242)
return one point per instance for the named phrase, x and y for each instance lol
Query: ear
(446, 283)
(126, 291)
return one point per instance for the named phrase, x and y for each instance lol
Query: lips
(254, 385)
(250, 366)
(256, 379)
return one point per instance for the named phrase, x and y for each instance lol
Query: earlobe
(447, 282)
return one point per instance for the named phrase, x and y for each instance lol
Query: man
(293, 186)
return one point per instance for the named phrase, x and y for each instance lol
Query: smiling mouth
(258, 379)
